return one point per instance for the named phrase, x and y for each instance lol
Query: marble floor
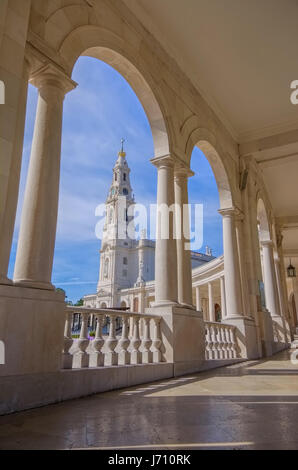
(252, 405)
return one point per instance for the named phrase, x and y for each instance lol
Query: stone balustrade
(221, 341)
(121, 344)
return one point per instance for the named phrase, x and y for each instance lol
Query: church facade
(127, 264)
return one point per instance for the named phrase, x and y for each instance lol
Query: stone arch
(263, 221)
(123, 304)
(97, 42)
(103, 305)
(206, 141)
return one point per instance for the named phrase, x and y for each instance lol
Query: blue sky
(97, 114)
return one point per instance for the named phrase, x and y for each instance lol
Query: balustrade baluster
(81, 358)
(136, 355)
(146, 342)
(124, 356)
(214, 342)
(220, 342)
(208, 343)
(229, 344)
(232, 343)
(156, 343)
(96, 356)
(67, 343)
(111, 358)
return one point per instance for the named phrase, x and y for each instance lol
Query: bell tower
(118, 233)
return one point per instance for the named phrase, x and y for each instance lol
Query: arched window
(115, 176)
(124, 260)
(136, 304)
(124, 176)
(125, 191)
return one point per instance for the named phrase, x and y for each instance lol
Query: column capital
(50, 75)
(231, 212)
(267, 243)
(165, 161)
(181, 171)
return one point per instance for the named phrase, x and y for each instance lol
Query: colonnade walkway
(252, 405)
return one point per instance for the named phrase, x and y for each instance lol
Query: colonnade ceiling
(239, 54)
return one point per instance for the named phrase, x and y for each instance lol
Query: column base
(163, 303)
(189, 306)
(246, 335)
(266, 332)
(32, 329)
(280, 340)
(33, 284)
(183, 337)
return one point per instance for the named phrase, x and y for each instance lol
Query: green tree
(79, 303)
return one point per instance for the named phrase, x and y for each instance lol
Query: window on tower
(115, 176)
(124, 176)
(125, 191)
(124, 260)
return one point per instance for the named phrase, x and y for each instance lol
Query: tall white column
(165, 248)
(211, 302)
(8, 204)
(231, 265)
(198, 299)
(239, 218)
(182, 237)
(223, 297)
(270, 281)
(36, 243)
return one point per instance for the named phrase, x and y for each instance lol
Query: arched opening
(262, 221)
(217, 311)
(159, 133)
(203, 192)
(210, 188)
(270, 286)
(101, 44)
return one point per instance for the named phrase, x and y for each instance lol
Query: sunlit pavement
(252, 405)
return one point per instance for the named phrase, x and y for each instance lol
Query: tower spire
(122, 153)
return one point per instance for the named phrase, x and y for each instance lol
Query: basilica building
(127, 265)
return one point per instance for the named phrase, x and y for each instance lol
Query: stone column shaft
(165, 248)
(231, 265)
(223, 297)
(198, 299)
(270, 281)
(211, 302)
(36, 244)
(183, 235)
(7, 220)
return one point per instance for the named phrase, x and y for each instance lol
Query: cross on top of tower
(122, 153)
